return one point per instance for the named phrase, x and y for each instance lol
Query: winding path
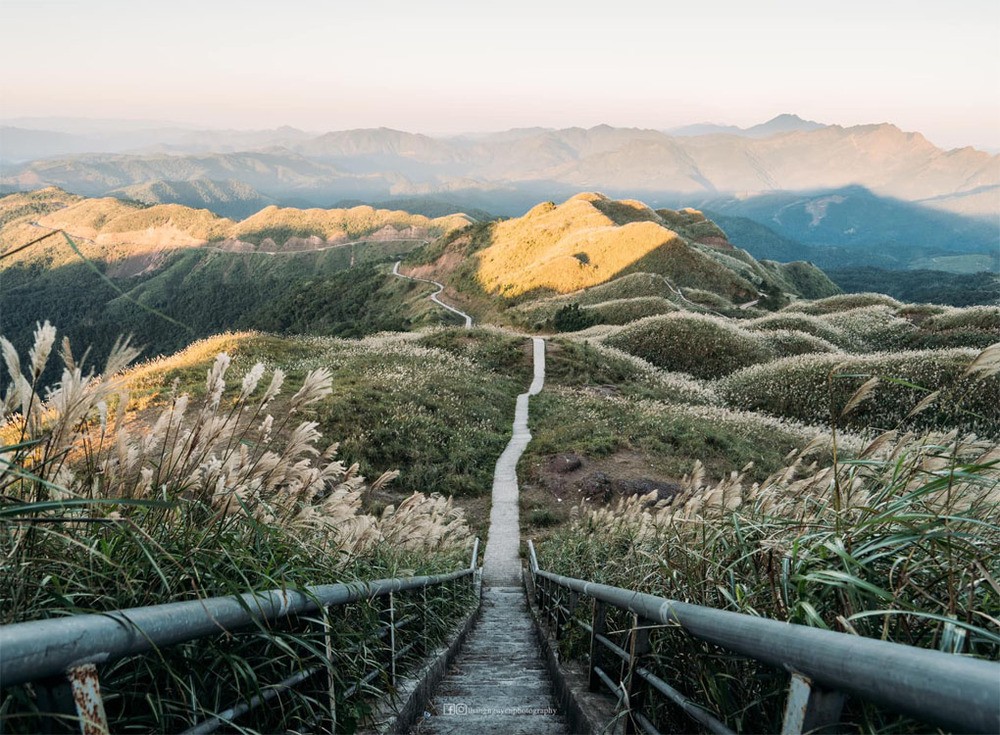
(499, 683)
(501, 562)
(434, 296)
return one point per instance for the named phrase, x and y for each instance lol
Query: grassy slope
(110, 229)
(206, 292)
(589, 240)
(631, 422)
(436, 406)
(592, 249)
(151, 254)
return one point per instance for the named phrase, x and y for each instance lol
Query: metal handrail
(947, 690)
(69, 649)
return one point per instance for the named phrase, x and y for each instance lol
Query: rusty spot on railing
(86, 688)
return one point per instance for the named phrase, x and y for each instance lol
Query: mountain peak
(788, 118)
(783, 123)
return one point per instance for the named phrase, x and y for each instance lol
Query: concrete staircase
(498, 683)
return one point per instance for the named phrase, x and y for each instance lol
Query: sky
(442, 66)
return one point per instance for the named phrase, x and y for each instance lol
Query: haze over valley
(862, 195)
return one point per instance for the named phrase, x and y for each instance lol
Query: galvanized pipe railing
(946, 690)
(64, 653)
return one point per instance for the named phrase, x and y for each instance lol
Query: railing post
(392, 639)
(599, 626)
(558, 617)
(554, 606)
(563, 617)
(331, 686)
(424, 626)
(474, 564)
(810, 708)
(73, 699)
(638, 650)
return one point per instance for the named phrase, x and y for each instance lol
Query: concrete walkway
(434, 296)
(498, 684)
(501, 562)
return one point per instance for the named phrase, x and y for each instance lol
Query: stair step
(498, 683)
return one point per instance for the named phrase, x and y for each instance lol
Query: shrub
(708, 299)
(571, 319)
(814, 388)
(800, 323)
(871, 328)
(623, 311)
(985, 318)
(703, 346)
(789, 342)
(897, 545)
(843, 302)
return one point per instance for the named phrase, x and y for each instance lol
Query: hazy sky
(447, 66)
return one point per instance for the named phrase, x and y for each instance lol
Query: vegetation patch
(624, 311)
(803, 323)
(669, 436)
(818, 389)
(844, 547)
(844, 302)
(789, 342)
(229, 492)
(872, 328)
(701, 345)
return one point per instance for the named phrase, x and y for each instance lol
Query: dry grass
(221, 494)
(232, 455)
(589, 240)
(814, 387)
(900, 544)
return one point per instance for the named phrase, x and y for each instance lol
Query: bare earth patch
(563, 480)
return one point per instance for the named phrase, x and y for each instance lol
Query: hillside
(232, 199)
(169, 274)
(853, 219)
(867, 195)
(117, 231)
(677, 424)
(591, 239)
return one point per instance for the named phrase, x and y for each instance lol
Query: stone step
(498, 682)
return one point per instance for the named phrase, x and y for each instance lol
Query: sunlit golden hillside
(110, 228)
(591, 239)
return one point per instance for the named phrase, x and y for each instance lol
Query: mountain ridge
(381, 163)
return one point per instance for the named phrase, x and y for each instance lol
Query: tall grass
(231, 492)
(900, 543)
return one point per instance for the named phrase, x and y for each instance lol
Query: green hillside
(146, 271)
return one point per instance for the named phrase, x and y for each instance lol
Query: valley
(686, 382)
(505, 369)
(865, 195)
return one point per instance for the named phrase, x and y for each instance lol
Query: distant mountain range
(824, 185)
(781, 124)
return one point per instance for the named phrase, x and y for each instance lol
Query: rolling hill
(114, 231)
(867, 195)
(169, 274)
(232, 199)
(542, 261)
(781, 155)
